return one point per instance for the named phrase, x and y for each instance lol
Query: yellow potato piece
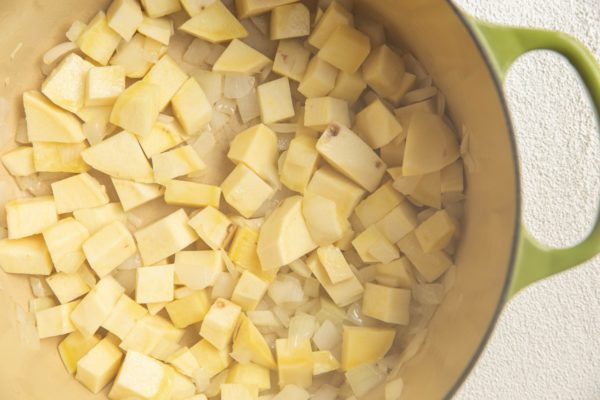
(215, 23)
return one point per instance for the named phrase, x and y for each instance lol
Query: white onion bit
(58, 51)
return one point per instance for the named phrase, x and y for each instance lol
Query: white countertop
(547, 342)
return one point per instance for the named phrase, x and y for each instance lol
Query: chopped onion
(364, 378)
(311, 287)
(132, 262)
(214, 387)
(27, 330)
(430, 294)
(393, 389)
(224, 286)
(248, 106)
(283, 315)
(300, 267)
(225, 106)
(215, 52)
(388, 362)
(253, 223)
(418, 95)
(238, 86)
(197, 52)
(283, 140)
(126, 278)
(201, 380)
(302, 327)
(204, 142)
(39, 287)
(219, 120)
(33, 185)
(286, 289)
(310, 307)
(264, 319)
(356, 316)
(242, 356)
(231, 268)
(165, 119)
(58, 52)
(330, 311)
(328, 336)
(75, 30)
(284, 127)
(94, 131)
(325, 392)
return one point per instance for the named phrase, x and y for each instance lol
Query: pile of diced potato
(342, 184)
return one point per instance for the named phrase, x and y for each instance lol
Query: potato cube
(342, 293)
(249, 291)
(250, 374)
(99, 366)
(189, 309)
(58, 157)
(98, 217)
(42, 303)
(245, 191)
(372, 246)
(291, 59)
(184, 361)
(55, 321)
(148, 333)
(364, 345)
(323, 362)
(334, 264)
(236, 391)
(72, 348)
(19, 162)
(215, 23)
(323, 218)
(346, 49)
(213, 227)
(98, 41)
(164, 136)
(30, 216)
(452, 178)
(335, 16)
(165, 237)
(319, 78)
(351, 156)
(329, 184)
(65, 86)
(124, 17)
(77, 192)
(191, 107)
(124, 316)
(399, 222)
(430, 265)
(220, 322)
(378, 204)
(294, 363)
(299, 163)
(160, 8)
(211, 359)
(242, 250)
(393, 152)
(106, 249)
(376, 125)
(321, 111)
(290, 21)
(49, 123)
(284, 236)
(249, 8)
(239, 58)
(398, 273)
(198, 269)
(435, 233)
(25, 256)
(387, 304)
(104, 85)
(191, 194)
(139, 377)
(248, 340)
(168, 76)
(96, 306)
(383, 71)
(174, 163)
(256, 147)
(275, 101)
(133, 194)
(154, 284)
(348, 87)
(159, 29)
(67, 287)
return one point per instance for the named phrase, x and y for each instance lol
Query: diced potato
(98, 41)
(364, 345)
(405, 113)
(423, 189)
(174, 163)
(256, 147)
(98, 217)
(140, 377)
(347, 153)
(213, 227)
(290, 21)
(372, 246)
(30, 216)
(160, 8)
(215, 23)
(168, 76)
(249, 291)
(393, 152)
(406, 84)
(104, 85)
(321, 111)
(275, 101)
(66, 85)
(342, 293)
(123, 317)
(154, 284)
(399, 222)
(191, 194)
(20, 161)
(58, 157)
(348, 87)
(335, 16)
(245, 191)
(164, 136)
(67, 287)
(346, 49)
(189, 309)
(220, 322)
(319, 78)
(77, 192)
(452, 178)
(250, 374)
(430, 265)
(383, 71)
(284, 236)
(106, 249)
(300, 163)
(25, 256)
(242, 250)
(294, 363)
(191, 107)
(124, 17)
(334, 264)
(237, 391)
(159, 29)
(148, 333)
(64, 240)
(211, 359)
(345, 242)
(239, 58)
(435, 233)
(430, 145)
(291, 59)
(248, 340)
(131, 56)
(184, 361)
(376, 125)
(335, 187)
(73, 347)
(55, 321)
(249, 8)
(165, 237)
(133, 194)
(49, 123)
(137, 108)
(398, 273)
(99, 366)
(42, 303)
(198, 269)
(323, 362)
(376, 206)
(386, 304)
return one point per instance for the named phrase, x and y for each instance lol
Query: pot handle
(504, 45)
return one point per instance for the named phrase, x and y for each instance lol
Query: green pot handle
(504, 45)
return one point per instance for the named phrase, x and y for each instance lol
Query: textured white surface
(547, 342)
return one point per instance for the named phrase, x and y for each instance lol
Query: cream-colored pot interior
(439, 38)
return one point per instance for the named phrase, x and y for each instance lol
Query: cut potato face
(215, 23)
(49, 123)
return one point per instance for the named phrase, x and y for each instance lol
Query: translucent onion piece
(356, 316)
(393, 389)
(197, 52)
(27, 330)
(286, 289)
(39, 287)
(127, 279)
(75, 31)
(237, 86)
(33, 185)
(165, 119)
(364, 378)
(248, 106)
(283, 315)
(94, 131)
(225, 106)
(219, 119)
(133, 262)
(284, 139)
(215, 52)
(241, 356)
(223, 286)
(214, 387)
(300, 268)
(204, 142)
(325, 392)
(58, 52)
(302, 327)
(201, 380)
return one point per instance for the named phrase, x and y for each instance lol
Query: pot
(467, 60)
